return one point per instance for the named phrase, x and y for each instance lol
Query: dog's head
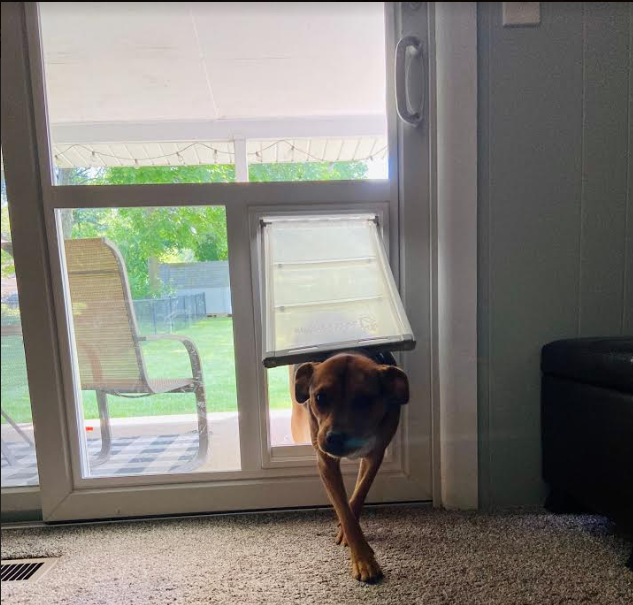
(349, 396)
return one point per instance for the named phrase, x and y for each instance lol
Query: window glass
(149, 299)
(215, 91)
(19, 466)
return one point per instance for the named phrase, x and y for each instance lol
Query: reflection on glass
(150, 302)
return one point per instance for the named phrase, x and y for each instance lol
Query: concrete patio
(224, 445)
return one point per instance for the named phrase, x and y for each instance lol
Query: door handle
(412, 47)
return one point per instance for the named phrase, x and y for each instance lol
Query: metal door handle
(413, 47)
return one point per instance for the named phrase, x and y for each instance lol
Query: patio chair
(108, 342)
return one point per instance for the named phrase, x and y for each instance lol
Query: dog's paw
(342, 540)
(366, 569)
(340, 537)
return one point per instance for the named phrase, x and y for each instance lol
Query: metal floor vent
(25, 570)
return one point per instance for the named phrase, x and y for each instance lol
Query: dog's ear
(303, 377)
(395, 384)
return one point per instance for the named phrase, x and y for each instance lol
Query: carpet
(428, 557)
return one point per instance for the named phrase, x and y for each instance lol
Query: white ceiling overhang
(129, 82)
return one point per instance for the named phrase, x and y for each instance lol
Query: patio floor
(145, 445)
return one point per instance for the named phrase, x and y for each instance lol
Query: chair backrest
(106, 333)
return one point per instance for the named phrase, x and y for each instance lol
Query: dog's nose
(335, 441)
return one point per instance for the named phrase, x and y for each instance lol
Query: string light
(95, 154)
(293, 147)
(104, 154)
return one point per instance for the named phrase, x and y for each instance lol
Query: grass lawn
(167, 359)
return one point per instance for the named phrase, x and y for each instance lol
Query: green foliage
(174, 234)
(150, 175)
(310, 171)
(182, 234)
(165, 234)
(6, 260)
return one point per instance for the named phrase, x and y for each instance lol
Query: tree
(148, 236)
(308, 171)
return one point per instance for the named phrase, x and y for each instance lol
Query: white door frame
(454, 196)
(254, 486)
(420, 220)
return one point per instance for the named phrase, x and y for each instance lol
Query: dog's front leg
(367, 471)
(364, 566)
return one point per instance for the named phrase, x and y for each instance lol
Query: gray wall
(555, 214)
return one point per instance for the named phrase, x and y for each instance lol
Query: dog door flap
(327, 286)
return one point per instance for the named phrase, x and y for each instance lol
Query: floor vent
(23, 570)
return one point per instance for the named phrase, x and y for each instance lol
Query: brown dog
(349, 406)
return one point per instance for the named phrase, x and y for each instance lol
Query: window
(162, 93)
(148, 296)
(19, 466)
(196, 121)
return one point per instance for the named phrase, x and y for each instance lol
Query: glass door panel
(149, 300)
(160, 93)
(19, 466)
(165, 404)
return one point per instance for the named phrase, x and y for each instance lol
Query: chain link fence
(154, 315)
(164, 315)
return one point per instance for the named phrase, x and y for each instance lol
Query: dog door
(327, 286)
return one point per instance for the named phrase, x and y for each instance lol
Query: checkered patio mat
(148, 455)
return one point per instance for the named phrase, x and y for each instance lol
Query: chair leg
(203, 431)
(203, 428)
(106, 432)
(6, 452)
(16, 428)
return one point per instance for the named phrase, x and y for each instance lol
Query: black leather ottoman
(587, 425)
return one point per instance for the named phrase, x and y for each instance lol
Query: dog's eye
(321, 399)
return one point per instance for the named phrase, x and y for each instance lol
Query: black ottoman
(587, 425)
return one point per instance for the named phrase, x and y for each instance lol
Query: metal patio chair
(108, 341)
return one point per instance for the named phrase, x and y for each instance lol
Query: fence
(160, 315)
(210, 277)
(154, 315)
(10, 313)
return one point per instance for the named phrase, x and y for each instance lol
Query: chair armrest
(192, 350)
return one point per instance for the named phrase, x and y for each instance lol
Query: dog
(348, 406)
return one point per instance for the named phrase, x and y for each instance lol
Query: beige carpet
(428, 557)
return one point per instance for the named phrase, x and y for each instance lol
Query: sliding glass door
(154, 138)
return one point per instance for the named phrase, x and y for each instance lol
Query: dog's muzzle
(340, 444)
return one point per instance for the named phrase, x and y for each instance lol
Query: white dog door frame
(327, 286)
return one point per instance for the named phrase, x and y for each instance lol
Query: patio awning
(178, 83)
(191, 153)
